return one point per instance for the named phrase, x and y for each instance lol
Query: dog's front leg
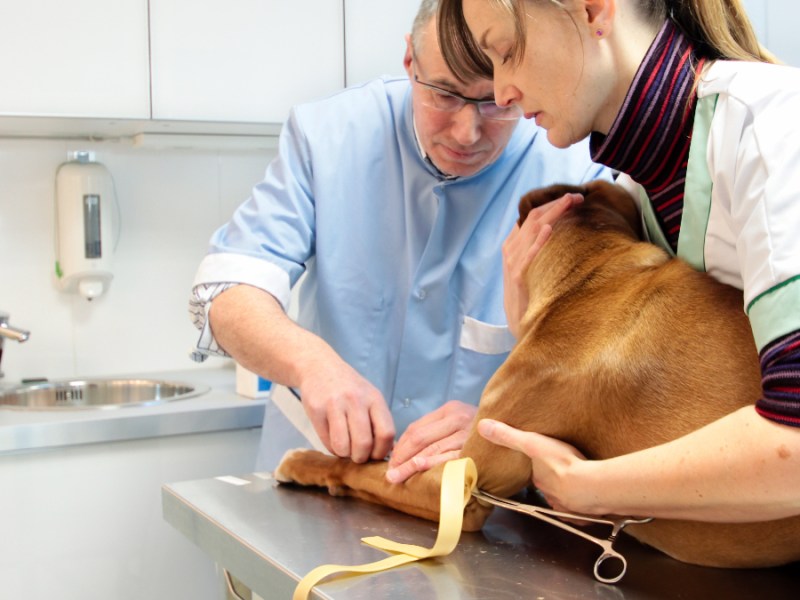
(418, 496)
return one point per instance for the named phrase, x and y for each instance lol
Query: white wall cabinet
(775, 22)
(82, 58)
(375, 37)
(781, 30)
(243, 60)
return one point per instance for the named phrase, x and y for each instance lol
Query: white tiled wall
(170, 203)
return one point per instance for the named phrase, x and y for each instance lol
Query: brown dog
(621, 348)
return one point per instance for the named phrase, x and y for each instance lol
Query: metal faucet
(12, 333)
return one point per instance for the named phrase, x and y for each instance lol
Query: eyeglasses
(446, 101)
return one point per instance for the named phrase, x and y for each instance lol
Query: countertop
(270, 535)
(221, 408)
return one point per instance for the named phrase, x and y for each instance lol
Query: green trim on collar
(697, 195)
(697, 191)
(653, 230)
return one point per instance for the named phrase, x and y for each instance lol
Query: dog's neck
(589, 246)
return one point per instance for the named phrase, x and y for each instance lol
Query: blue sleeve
(276, 224)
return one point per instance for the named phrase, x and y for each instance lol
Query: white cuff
(241, 268)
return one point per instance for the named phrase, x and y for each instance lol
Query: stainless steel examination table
(269, 536)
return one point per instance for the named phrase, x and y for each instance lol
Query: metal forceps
(554, 518)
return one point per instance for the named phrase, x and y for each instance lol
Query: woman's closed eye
(504, 53)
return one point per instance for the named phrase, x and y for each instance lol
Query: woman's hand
(521, 247)
(431, 440)
(552, 461)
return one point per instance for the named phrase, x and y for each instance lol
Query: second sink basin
(97, 393)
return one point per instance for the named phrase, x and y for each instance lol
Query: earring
(599, 33)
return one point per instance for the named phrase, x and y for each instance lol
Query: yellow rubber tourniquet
(458, 481)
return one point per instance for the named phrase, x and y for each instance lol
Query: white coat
(741, 218)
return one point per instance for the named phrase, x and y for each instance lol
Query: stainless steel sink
(97, 393)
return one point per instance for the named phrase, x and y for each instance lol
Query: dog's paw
(310, 468)
(283, 474)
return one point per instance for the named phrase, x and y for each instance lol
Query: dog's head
(605, 205)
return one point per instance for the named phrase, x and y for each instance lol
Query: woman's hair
(719, 29)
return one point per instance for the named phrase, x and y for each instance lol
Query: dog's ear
(540, 196)
(618, 199)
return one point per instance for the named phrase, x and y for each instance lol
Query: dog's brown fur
(622, 348)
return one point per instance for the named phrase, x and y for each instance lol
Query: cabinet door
(81, 58)
(375, 31)
(781, 24)
(243, 60)
(775, 22)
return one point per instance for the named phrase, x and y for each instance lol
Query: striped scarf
(650, 137)
(780, 366)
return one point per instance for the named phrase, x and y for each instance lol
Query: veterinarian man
(394, 198)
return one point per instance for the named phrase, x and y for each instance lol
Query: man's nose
(466, 128)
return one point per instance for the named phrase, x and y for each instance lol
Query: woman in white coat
(680, 98)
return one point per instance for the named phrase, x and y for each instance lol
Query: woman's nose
(506, 94)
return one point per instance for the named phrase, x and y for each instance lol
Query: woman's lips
(534, 115)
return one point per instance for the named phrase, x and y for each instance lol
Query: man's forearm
(348, 412)
(252, 327)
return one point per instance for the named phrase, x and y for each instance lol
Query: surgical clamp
(554, 518)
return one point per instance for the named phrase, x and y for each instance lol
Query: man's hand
(434, 439)
(348, 413)
(521, 247)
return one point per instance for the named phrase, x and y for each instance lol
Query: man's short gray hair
(427, 11)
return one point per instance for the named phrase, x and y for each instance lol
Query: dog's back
(626, 321)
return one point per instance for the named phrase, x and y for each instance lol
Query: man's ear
(408, 57)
